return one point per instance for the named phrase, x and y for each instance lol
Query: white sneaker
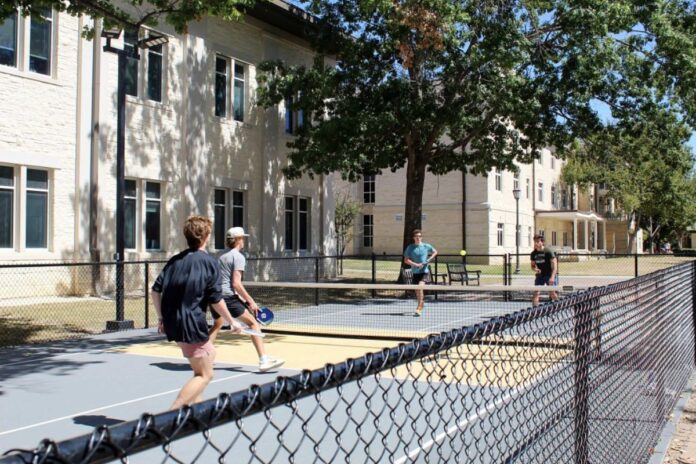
(270, 363)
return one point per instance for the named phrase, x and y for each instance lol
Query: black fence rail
(588, 378)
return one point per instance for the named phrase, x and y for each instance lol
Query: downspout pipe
(95, 145)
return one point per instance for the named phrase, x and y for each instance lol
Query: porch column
(575, 234)
(604, 236)
(587, 235)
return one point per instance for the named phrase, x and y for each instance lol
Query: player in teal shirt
(418, 255)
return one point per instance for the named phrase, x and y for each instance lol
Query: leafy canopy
(647, 167)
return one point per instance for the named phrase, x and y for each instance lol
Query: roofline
(285, 16)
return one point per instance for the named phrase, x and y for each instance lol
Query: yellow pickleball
(462, 252)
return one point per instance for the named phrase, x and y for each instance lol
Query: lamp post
(516, 193)
(123, 55)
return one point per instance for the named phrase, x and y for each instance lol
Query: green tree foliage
(132, 13)
(445, 85)
(647, 168)
(347, 209)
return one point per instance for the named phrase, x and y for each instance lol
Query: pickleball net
(386, 311)
(600, 390)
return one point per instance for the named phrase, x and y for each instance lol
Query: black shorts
(421, 277)
(235, 306)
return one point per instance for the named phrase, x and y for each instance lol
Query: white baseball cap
(235, 232)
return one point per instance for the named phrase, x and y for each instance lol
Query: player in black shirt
(190, 282)
(545, 266)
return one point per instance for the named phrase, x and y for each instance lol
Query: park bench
(459, 273)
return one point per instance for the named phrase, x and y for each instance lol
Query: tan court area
(299, 352)
(501, 366)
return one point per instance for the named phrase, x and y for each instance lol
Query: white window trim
(141, 212)
(19, 211)
(229, 98)
(23, 48)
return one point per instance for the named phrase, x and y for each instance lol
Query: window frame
(147, 201)
(369, 189)
(498, 180)
(16, 50)
(13, 206)
(501, 234)
(152, 51)
(225, 97)
(368, 230)
(297, 223)
(219, 218)
(540, 191)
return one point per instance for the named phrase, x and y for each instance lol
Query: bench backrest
(456, 268)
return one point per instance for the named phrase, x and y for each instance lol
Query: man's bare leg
(192, 391)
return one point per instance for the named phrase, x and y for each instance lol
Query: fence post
(582, 331)
(635, 264)
(147, 294)
(693, 303)
(374, 272)
(316, 280)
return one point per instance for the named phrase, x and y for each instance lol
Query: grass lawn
(63, 320)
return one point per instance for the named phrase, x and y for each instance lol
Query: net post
(147, 299)
(316, 279)
(583, 310)
(373, 257)
(635, 264)
(693, 302)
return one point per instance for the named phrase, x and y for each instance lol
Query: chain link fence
(589, 378)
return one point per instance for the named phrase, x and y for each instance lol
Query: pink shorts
(197, 350)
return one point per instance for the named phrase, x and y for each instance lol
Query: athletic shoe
(270, 363)
(419, 311)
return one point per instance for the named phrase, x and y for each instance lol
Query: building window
(154, 72)
(297, 223)
(541, 159)
(554, 237)
(565, 239)
(369, 189)
(500, 234)
(554, 199)
(130, 214)
(541, 192)
(221, 82)
(289, 223)
(516, 182)
(553, 162)
(564, 199)
(40, 42)
(237, 209)
(368, 230)
(220, 217)
(37, 209)
(153, 211)
(527, 188)
(498, 180)
(294, 119)
(529, 236)
(8, 41)
(130, 41)
(7, 198)
(303, 214)
(239, 91)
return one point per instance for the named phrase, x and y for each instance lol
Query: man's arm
(241, 291)
(554, 268)
(157, 301)
(433, 255)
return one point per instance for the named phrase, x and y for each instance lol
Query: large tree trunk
(415, 181)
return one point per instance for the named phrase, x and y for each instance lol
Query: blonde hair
(196, 230)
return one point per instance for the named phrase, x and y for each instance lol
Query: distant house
(479, 213)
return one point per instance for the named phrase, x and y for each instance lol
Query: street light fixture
(123, 55)
(516, 193)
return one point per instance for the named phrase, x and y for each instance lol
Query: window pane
(220, 87)
(152, 190)
(130, 39)
(154, 73)
(219, 219)
(8, 41)
(40, 43)
(130, 188)
(303, 223)
(129, 221)
(37, 219)
(37, 179)
(238, 92)
(288, 116)
(152, 225)
(289, 223)
(238, 209)
(6, 217)
(6, 176)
